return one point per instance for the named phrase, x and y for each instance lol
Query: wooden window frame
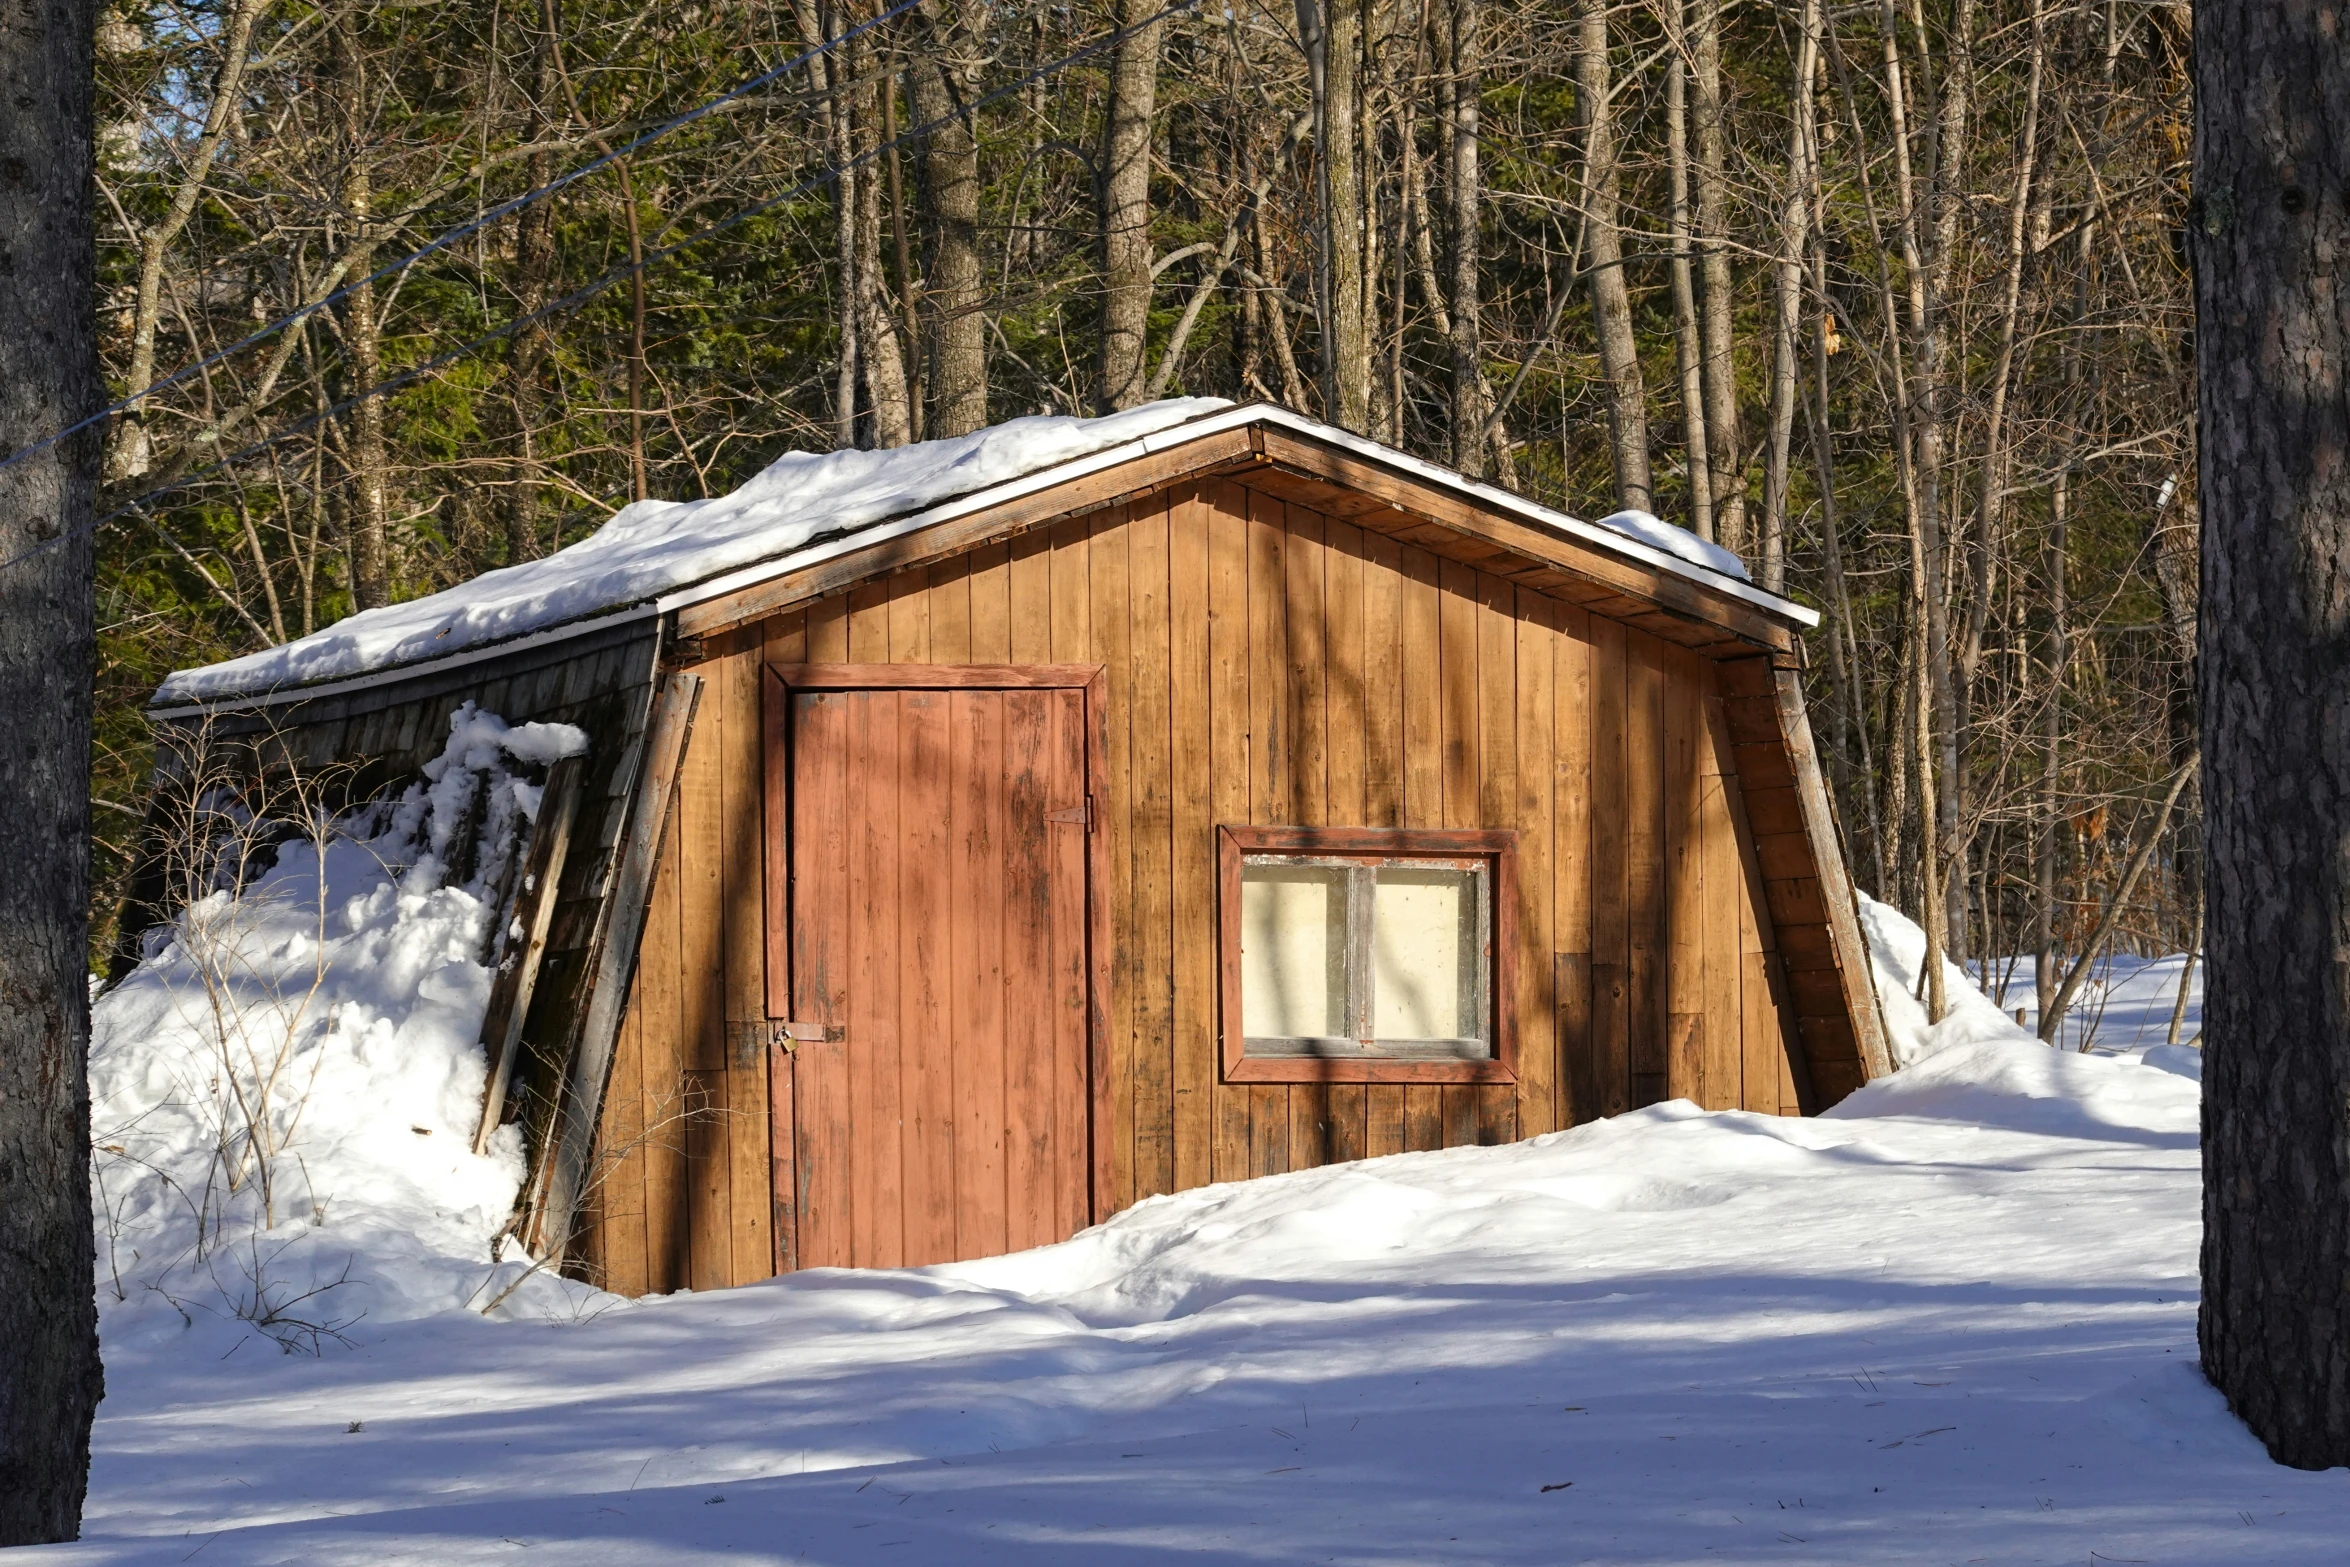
(780, 681)
(1499, 849)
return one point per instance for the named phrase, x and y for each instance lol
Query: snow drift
(284, 1092)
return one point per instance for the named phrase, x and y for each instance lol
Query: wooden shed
(1234, 796)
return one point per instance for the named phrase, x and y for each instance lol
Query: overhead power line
(617, 274)
(453, 236)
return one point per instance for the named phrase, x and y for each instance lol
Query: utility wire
(462, 231)
(617, 274)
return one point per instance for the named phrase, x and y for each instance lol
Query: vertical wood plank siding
(1264, 663)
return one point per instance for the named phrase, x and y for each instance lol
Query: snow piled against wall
(1897, 951)
(284, 1093)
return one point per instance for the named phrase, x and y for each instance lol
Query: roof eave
(1173, 437)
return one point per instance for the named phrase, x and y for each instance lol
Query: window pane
(1425, 957)
(1293, 951)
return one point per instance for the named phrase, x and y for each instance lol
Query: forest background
(1890, 297)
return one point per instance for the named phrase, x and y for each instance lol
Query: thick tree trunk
(1126, 208)
(1611, 300)
(2272, 341)
(50, 1380)
(955, 326)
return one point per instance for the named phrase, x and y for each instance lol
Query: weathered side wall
(1265, 664)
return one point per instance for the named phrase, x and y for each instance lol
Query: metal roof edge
(390, 674)
(1535, 512)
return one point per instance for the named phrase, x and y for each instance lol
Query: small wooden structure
(1237, 800)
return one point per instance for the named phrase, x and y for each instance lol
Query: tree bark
(2272, 340)
(50, 1380)
(879, 356)
(1126, 208)
(1794, 237)
(1334, 46)
(955, 327)
(1727, 460)
(1688, 347)
(1611, 300)
(534, 272)
(2045, 843)
(1466, 198)
(367, 528)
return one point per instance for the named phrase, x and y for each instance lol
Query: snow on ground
(2124, 1005)
(1951, 1321)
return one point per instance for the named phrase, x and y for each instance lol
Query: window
(1361, 955)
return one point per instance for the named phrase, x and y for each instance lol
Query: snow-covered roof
(655, 556)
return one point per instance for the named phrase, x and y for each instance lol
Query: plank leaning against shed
(977, 837)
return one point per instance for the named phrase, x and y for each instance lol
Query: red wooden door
(938, 931)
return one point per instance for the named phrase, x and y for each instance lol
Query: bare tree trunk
(1794, 239)
(1126, 207)
(1688, 348)
(2272, 91)
(1611, 300)
(128, 456)
(1947, 181)
(1727, 461)
(955, 328)
(367, 528)
(534, 272)
(879, 356)
(50, 1379)
(1930, 867)
(1995, 455)
(909, 333)
(1922, 496)
(1843, 648)
(1334, 49)
(840, 145)
(2045, 844)
(1464, 179)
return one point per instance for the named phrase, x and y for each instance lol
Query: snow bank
(656, 547)
(1897, 951)
(284, 1093)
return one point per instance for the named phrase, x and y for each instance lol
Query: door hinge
(1080, 814)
